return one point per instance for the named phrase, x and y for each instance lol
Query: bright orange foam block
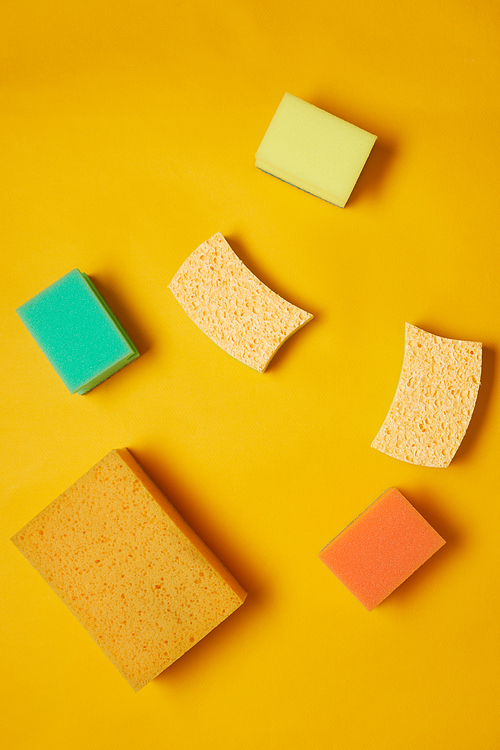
(381, 548)
(130, 568)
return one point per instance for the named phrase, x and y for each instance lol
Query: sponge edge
(130, 568)
(434, 399)
(314, 150)
(232, 307)
(77, 332)
(381, 548)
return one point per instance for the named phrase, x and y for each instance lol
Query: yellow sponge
(314, 150)
(232, 307)
(434, 400)
(129, 567)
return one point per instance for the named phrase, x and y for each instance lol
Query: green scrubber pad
(314, 150)
(77, 332)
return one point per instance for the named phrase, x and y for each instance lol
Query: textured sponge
(129, 568)
(314, 150)
(77, 332)
(434, 400)
(381, 548)
(232, 307)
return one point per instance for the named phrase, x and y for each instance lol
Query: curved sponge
(381, 548)
(232, 307)
(129, 568)
(434, 400)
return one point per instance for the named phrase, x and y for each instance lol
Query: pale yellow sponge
(314, 150)
(434, 400)
(129, 568)
(232, 307)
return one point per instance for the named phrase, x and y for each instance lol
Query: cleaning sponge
(231, 306)
(77, 332)
(314, 150)
(129, 567)
(434, 400)
(381, 548)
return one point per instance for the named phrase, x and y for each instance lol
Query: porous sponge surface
(77, 332)
(314, 150)
(231, 306)
(129, 567)
(381, 548)
(434, 399)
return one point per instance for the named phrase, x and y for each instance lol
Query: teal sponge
(77, 332)
(314, 150)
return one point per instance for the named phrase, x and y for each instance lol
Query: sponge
(232, 307)
(314, 150)
(434, 400)
(77, 332)
(129, 568)
(381, 548)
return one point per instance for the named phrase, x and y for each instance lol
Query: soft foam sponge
(129, 568)
(314, 150)
(381, 548)
(232, 307)
(434, 400)
(77, 332)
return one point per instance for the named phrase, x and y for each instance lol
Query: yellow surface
(128, 133)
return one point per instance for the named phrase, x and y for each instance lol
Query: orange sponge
(129, 567)
(381, 548)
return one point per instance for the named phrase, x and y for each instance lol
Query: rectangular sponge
(77, 332)
(129, 568)
(381, 548)
(314, 150)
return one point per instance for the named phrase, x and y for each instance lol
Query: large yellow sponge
(232, 307)
(434, 400)
(129, 568)
(314, 150)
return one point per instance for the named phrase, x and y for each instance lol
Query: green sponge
(77, 332)
(314, 150)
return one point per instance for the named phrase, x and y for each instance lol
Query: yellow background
(127, 137)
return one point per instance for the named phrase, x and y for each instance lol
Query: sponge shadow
(481, 408)
(377, 166)
(374, 173)
(277, 288)
(450, 532)
(123, 312)
(206, 526)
